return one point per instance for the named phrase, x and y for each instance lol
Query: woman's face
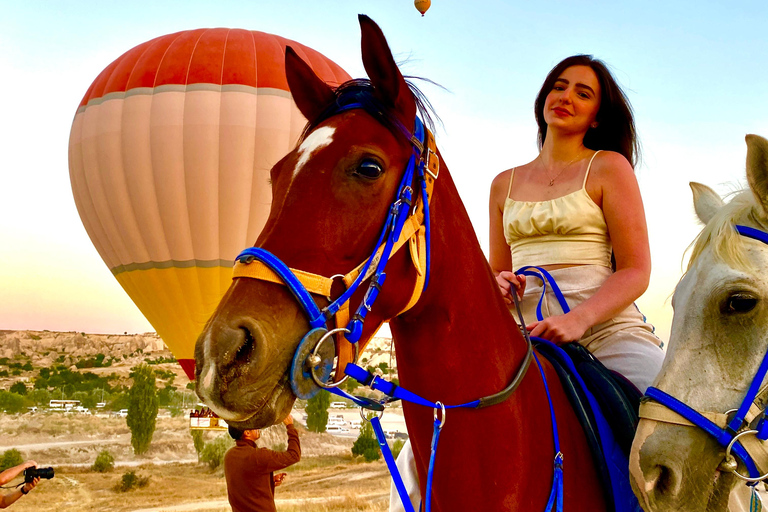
(574, 100)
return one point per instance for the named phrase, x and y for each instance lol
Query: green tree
(198, 441)
(142, 408)
(10, 458)
(11, 402)
(19, 388)
(317, 411)
(366, 444)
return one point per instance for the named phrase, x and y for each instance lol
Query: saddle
(607, 406)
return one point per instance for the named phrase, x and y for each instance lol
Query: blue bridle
(318, 319)
(737, 427)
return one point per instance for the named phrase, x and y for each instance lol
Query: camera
(32, 473)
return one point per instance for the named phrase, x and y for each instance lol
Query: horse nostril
(662, 480)
(243, 353)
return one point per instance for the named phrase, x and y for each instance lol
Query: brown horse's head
(330, 199)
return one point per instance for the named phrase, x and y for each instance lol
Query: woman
(569, 211)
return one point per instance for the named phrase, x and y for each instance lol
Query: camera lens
(32, 473)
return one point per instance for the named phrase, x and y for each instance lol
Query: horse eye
(369, 169)
(740, 303)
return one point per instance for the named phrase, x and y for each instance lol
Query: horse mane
(720, 233)
(361, 91)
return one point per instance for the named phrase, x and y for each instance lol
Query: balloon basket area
(205, 419)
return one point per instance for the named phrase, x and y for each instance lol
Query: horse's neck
(461, 327)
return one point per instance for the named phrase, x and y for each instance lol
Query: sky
(694, 72)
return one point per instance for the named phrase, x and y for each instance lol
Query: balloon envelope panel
(169, 157)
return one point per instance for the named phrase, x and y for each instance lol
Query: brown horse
(456, 344)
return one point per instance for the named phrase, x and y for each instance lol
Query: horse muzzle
(242, 374)
(675, 468)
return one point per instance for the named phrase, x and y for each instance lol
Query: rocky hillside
(43, 348)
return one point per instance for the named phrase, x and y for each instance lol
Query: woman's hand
(508, 281)
(559, 329)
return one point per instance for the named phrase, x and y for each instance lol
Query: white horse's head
(718, 340)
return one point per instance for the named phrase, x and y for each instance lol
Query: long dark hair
(616, 125)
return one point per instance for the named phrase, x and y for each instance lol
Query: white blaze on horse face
(319, 138)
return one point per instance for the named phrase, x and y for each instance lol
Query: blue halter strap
(728, 436)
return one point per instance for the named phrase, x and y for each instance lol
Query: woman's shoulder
(610, 165)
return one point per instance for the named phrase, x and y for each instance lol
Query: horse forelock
(360, 91)
(720, 233)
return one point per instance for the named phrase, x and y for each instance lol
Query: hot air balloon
(422, 5)
(169, 159)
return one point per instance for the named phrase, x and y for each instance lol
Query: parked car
(123, 413)
(338, 405)
(336, 429)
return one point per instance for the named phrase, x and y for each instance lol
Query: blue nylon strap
(545, 278)
(316, 318)
(432, 457)
(380, 384)
(756, 234)
(556, 494)
(390, 460)
(692, 415)
(754, 388)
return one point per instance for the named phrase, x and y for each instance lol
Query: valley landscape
(95, 369)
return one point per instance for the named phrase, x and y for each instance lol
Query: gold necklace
(566, 166)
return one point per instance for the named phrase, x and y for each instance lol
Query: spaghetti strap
(509, 188)
(583, 185)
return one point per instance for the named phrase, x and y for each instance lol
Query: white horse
(719, 339)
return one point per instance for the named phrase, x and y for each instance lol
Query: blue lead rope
(545, 278)
(556, 494)
(394, 391)
(390, 460)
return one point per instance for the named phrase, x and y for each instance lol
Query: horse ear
(706, 201)
(757, 169)
(310, 93)
(388, 83)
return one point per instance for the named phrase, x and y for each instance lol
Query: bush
(131, 480)
(397, 447)
(366, 444)
(104, 462)
(213, 452)
(317, 411)
(11, 402)
(19, 388)
(10, 458)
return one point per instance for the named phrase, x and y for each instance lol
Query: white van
(123, 413)
(336, 429)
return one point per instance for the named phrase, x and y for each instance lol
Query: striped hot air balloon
(169, 159)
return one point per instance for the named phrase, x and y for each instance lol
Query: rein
(741, 431)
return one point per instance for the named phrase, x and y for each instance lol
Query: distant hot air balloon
(169, 159)
(422, 5)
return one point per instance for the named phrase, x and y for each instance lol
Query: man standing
(249, 470)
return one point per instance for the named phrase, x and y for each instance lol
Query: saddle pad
(611, 460)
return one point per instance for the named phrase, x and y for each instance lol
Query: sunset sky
(694, 71)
